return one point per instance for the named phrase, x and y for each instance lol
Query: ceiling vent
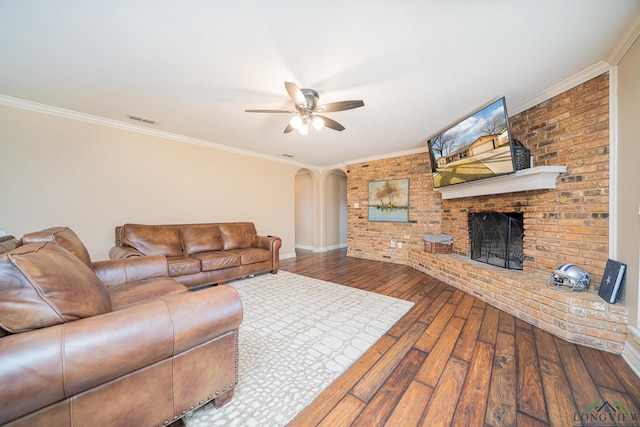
(142, 119)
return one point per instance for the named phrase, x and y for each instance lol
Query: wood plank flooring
(455, 360)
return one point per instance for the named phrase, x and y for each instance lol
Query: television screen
(476, 147)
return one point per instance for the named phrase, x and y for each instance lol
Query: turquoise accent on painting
(388, 214)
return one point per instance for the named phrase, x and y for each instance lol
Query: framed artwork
(389, 200)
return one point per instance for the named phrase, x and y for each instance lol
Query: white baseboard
(322, 249)
(287, 256)
(330, 248)
(631, 353)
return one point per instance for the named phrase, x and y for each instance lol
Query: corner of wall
(631, 353)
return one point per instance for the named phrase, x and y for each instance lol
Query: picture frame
(389, 200)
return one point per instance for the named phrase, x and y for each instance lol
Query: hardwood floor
(455, 360)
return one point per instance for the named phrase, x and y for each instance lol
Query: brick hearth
(580, 317)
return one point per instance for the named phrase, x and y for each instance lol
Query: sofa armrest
(48, 365)
(203, 315)
(273, 244)
(121, 252)
(119, 271)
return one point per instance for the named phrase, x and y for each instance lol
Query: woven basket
(521, 158)
(437, 248)
(521, 155)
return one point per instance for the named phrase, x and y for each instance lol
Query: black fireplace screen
(496, 238)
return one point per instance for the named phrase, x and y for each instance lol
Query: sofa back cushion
(237, 235)
(201, 238)
(43, 284)
(153, 239)
(62, 236)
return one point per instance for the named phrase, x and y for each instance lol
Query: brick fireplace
(569, 223)
(497, 238)
(554, 233)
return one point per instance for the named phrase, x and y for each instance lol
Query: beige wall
(58, 171)
(627, 170)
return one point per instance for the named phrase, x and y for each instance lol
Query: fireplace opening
(497, 238)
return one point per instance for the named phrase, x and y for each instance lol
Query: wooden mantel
(537, 178)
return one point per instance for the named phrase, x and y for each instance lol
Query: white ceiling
(196, 65)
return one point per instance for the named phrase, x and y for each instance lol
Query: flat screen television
(476, 147)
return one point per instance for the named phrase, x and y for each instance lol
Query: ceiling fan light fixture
(304, 129)
(317, 123)
(296, 121)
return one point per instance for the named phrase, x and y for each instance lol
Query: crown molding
(388, 155)
(626, 38)
(102, 121)
(624, 41)
(573, 81)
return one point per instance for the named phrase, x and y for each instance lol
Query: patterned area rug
(298, 335)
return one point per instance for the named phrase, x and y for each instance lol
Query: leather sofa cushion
(152, 239)
(237, 235)
(183, 266)
(62, 236)
(253, 255)
(200, 238)
(217, 260)
(43, 284)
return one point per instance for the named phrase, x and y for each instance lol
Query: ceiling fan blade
(296, 94)
(330, 123)
(340, 106)
(268, 111)
(288, 129)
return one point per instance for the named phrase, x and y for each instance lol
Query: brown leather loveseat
(113, 342)
(202, 254)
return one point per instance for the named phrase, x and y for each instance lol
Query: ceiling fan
(307, 110)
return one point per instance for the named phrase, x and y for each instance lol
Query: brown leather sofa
(113, 342)
(201, 254)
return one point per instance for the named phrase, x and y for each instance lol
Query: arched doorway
(335, 203)
(320, 210)
(305, 210)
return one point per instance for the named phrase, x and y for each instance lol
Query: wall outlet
(393, 244)
(399, 245)
(356, 205)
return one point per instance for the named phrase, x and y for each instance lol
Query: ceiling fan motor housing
(312, 98)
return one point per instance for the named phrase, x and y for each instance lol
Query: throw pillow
(43, 284)
(63, 236)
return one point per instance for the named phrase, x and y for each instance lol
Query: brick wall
(568, 224)
(371, 240)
